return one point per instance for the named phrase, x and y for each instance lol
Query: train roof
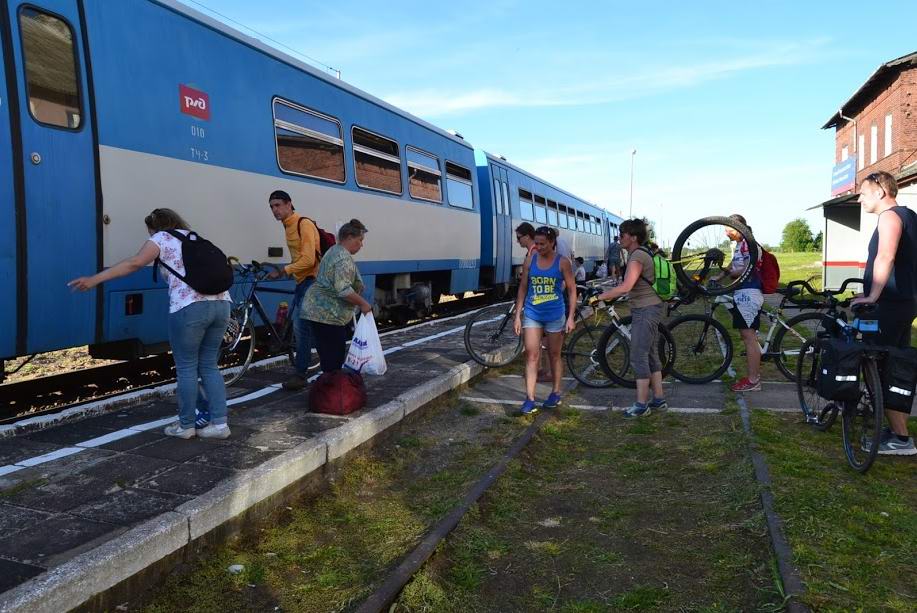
(501, 160)
(191, 13)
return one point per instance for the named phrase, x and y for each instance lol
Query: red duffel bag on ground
(337, 393)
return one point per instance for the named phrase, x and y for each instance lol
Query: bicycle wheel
(238, 346)
(489, 337)
(863, 420)
(704, 348)
(583, 362)
(788, 341)
(818, 412)
(614, 352)
(702, 259)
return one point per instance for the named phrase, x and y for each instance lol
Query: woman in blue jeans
(197, 323)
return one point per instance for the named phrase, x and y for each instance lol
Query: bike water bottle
(281, 317)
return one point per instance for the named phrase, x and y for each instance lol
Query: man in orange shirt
(303, 243)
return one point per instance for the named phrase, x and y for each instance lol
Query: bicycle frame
(252, 302)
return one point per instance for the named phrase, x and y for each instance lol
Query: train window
(580, 222)
(552, 213)
(525, 205)
(562, 216)
(424, 176)
(376, 161)
(540, 215)
(571, 221)
(308, 143)
(50, 69)
(505, 197)
(458, 186)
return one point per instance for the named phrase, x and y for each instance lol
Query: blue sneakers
(203, 419)
(658, 404)
(552, 402)
(528, 407)
(637, 410)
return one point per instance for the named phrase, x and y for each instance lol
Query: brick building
(876, 129)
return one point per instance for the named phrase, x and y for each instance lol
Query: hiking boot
(552, 402)
(295, 383)
(177, 431)
(746, 385)
(637, 410)
(528, 407)
(214, 431)
(657, 404)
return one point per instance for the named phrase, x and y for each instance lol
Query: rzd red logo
(194, 102)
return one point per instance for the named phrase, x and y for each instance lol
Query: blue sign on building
(844, 176)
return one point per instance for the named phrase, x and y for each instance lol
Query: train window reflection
(525, 205)
(424, 176)
(50, 69)
(376, 162)
(308, 143)
(458, 186)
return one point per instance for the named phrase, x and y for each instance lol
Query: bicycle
(241, 336)
(861, 416)
(706, 347)
(699, 259)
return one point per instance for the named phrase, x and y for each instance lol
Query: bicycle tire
(818, 412)
(581, 355)
(617, 364)
(692, 353)
(678, 255)
(862, 420)
(238, 346)
(490, 339)
(786, 338)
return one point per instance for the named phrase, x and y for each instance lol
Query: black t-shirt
(902, 283)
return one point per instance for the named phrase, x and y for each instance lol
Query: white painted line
(50, 457)
(270, 389)
(11, 468)
(591, 407)
(107, 438)
(152, 425)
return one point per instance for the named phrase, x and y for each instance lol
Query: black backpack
(207, 270)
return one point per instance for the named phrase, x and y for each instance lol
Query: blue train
(110, 109)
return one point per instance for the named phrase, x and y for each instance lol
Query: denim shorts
(551, 327)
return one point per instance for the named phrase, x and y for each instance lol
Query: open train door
(55, 171)
(8, 219)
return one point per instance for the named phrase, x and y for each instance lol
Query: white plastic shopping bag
(365, 355)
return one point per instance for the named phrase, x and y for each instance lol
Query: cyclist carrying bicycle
(748, 300)
(303, 243)
(890, 282)
(646, 309)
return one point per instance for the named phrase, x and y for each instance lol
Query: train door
(8, 307)
(58, 236)
(504, 231)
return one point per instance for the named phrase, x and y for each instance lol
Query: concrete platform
(85, 505)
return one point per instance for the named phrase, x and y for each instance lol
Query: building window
(376, 161)
(888, 135)
(308, 143)
(458, 186)
(845, 153)
(861, 152)
(525, 205)
(50, 69)
(424, 176)
(873, 143)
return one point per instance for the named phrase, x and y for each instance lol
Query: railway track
(54, 393)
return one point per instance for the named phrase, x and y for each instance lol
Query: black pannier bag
(899, 378)
(207, 269)
(838, 375)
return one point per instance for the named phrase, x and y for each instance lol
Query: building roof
(839, 201)
(881, 73)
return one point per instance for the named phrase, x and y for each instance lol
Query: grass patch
(854, 537)
(804, 266)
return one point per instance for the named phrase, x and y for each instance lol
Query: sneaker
(892, 445)
(552, 402)
(528, 407)
(214, 431)
(637, 410)
(746, 385)
(203, 418)
(295, 383)
(657, 404)
(175, 429)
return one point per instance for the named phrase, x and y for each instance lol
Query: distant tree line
(797, 236)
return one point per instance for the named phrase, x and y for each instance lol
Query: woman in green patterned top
(330, 301)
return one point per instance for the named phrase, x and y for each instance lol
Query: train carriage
(111, 109)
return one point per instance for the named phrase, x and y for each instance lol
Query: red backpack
(326, 239)
(769, 271)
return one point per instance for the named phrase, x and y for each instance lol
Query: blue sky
(723, 101)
